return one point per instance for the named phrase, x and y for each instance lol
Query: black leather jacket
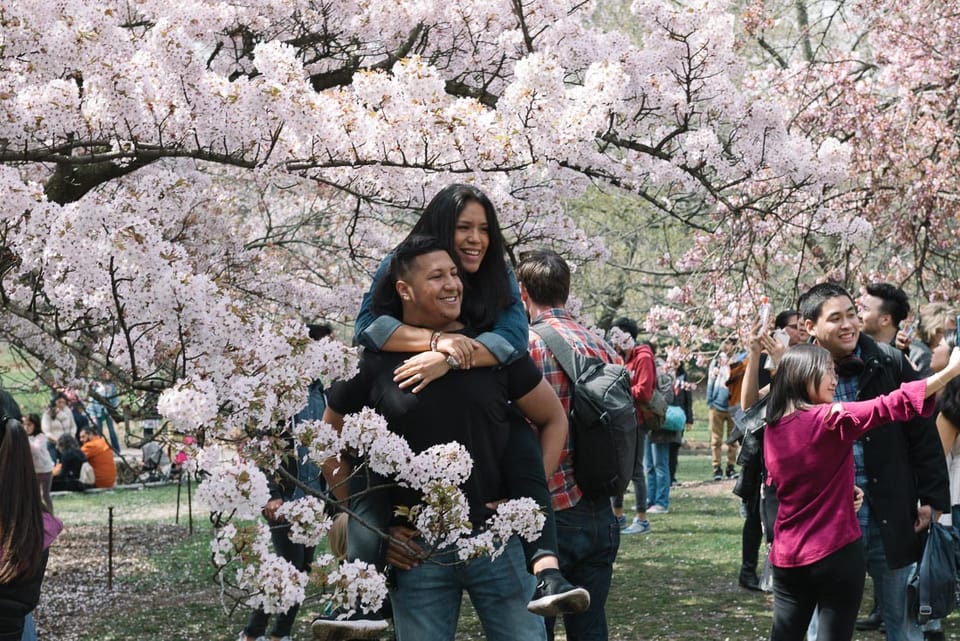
(904, 461)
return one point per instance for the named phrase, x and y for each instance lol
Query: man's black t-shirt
(467, 406)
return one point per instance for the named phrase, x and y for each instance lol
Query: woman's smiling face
(823, 393)
(471, 238)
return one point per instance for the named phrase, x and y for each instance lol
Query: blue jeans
(114, 441)
(891, 588)
(372, 508)
(426, 599)
(656, 461)
(29, 629)
(589, 538)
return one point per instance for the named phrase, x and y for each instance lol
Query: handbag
(750, 424)
(87, 475)
(675, 420)
(931, 591)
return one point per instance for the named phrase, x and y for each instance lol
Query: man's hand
(857, 498)
(924, 516)
(402, 552)
(903, 340)
(270, 509)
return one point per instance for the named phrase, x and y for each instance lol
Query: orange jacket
(100, 457)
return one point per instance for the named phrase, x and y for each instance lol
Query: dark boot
(748, 578)
(872, 621)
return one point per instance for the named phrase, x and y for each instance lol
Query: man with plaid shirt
(588, 534)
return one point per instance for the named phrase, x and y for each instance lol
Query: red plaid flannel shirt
(564, 492)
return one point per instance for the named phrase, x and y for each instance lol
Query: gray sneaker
(638, 527)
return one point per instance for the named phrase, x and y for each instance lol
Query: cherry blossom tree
(881, 76)
(186, 183)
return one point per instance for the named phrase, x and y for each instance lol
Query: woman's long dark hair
(37, 424)
(948, 402)
(21, 507)
(800, 365)
(486, 292)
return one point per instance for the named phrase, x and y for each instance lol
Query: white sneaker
(657, 509)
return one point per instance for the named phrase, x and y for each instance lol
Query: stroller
(156, 464)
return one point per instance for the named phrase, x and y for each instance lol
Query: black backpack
(603, 418)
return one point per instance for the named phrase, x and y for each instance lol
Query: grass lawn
(676, 583)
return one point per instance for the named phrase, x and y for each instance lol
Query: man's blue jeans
(426, 599)
(372, 511)
(656, 461)
(891, 587)
(589, 537)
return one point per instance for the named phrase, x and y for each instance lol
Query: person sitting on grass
(100, 456)
(67, 471)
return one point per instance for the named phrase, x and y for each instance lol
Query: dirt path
(75, 592)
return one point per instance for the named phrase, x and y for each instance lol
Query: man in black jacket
(898, 465)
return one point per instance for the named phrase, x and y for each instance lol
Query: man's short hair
(385, 300)
(783, 318)
(811, 302)
(545, 276)
(895, 301)
(627, 325)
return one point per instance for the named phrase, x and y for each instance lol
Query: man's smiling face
(837, 328)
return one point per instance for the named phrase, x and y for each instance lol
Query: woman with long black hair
(26, 531)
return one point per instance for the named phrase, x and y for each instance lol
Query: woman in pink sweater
(808, 452)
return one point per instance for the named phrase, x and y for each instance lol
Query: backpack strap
(560, 348)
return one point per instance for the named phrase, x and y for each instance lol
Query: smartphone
(782, 336)
(908, 327)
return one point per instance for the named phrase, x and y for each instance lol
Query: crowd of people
(67, 450)
(77, 455)
(859, 450)
(453, 337)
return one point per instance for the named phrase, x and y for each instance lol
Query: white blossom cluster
(356, 583)
(237, 487)
(522, 517)
(309, 524)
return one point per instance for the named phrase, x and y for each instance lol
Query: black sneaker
(872, 621)
(555, 595)
(358, 626)
(717, 474)
(731, 471)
